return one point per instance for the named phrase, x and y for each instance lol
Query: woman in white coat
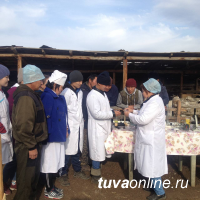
(74, 143)
(99, 122)
(150, 151)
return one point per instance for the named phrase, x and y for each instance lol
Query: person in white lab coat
(150, 151)
(5, 123)
(53, 153)
(99, 123)
(74, 143)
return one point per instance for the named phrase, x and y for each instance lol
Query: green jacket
(28, 118)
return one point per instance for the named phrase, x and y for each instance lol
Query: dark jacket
(85, 89)
(164, 95)
(56, 113)
(28, 118)
(112, 95)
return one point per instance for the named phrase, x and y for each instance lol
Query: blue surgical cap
(31, 74)
(153, 86)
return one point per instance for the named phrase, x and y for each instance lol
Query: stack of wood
(181, 108)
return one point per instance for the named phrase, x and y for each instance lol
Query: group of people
(55, 121)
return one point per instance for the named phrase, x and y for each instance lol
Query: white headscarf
(58, 78)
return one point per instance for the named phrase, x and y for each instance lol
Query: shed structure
(180, 71)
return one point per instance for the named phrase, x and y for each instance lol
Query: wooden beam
(130, 71)
(125, 72)
(114, 78)
(142, 58)
(19, 63)
(68, 57)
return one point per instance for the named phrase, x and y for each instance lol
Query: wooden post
(113, 78)
(193, 170)
(179, 112)
(1, 173)
(180, 163)
(125, 72)
(130, 166)
(19, 63)
(181, 84)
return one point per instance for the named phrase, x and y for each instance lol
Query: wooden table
(178, 142)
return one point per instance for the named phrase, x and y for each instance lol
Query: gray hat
(75, 76)
(4, 71)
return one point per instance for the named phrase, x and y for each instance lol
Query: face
(145, 94)
(43, 86)
(130, 90)
(108, 87)
(77, 84)
(58, 90)
(94, 82)
(36, 85)
(101, 87)
(4, 81)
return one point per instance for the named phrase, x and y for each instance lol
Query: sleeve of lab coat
(149, 113)
(94, 108)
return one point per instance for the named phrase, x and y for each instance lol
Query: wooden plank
(19, 63)
(125, 72)
(130, 168)
(142, 58)
(68, 57)
(193, 170)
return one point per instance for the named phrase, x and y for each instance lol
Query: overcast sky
(110, 25)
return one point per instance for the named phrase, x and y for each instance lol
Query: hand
(33, 154)
(117, 113)
(126, 112)
(131, 107)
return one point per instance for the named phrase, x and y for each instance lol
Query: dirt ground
(113, 169)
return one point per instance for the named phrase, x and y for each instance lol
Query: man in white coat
(150, 151)
(74, 143)
(99, 123)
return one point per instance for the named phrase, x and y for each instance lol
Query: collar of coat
(147, 100)
(100, 91)
(48, 90)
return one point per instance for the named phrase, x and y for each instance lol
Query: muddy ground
(113, 169)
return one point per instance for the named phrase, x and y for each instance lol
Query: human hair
(45, 78)
(144, 89)
(50, 85)
(92, 77)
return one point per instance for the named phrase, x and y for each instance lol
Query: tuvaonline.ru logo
(142, 183)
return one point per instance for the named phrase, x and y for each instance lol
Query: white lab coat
(99, 123)
(6, 138)
(75, 121)
(150, 151)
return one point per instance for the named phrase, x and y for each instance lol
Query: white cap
(58, 78)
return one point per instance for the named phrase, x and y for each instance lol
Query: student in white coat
(99, 123)
(74, 143)
(5, 124)
(150, 151)
(53, 153)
